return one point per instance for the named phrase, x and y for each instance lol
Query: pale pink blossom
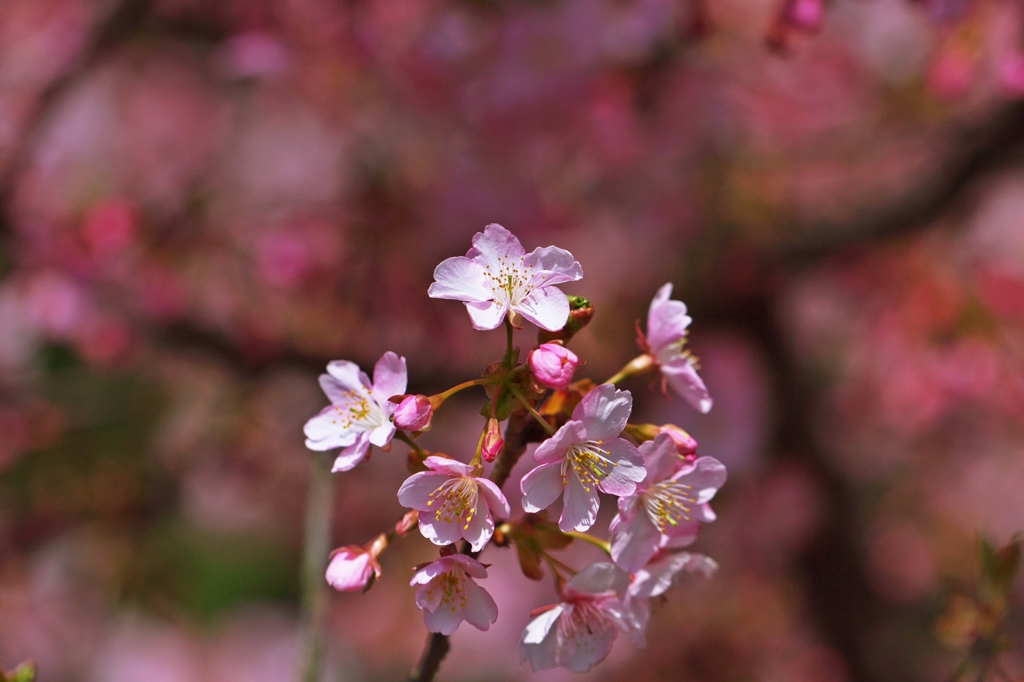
(583, 457)
(667, 324)
(414, 413)
(351, 568)
(359, 414)
(449, 595)
(668, 506)
(553, 364)
(493, 442)
(497, 277)
(653, 580)
(453, 503)
(578, 633)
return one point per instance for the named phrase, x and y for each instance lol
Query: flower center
(452, 588)
(510, 281)
(359, 410)
(589, 462)
(455, 500)
(668, 503)
(676, 350)
(583, 616)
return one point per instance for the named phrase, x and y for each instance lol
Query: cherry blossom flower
(359, 414)
(453, 503)
(553, 364)
(577, 633)
(449, 596)
(653, 580)
(414, 413)
(351, 568)
(583, 457)
(497, 277)
(668, 504)
(666, 342)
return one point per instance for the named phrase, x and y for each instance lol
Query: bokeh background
(204, 201)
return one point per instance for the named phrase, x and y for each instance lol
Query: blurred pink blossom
(448, 595)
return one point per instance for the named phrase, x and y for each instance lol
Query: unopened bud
(493, 444)
(353, 568)
(581, 311)
(553, 364)
(408, 522)
(685, 443)
(414, 413)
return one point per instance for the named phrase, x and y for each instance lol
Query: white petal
(604, 412)
(705, 477)
(634, 543)
(629, 469)
(447, 466)
(546, 307)
(481, 527)
(486, 316)
(667, 320)
(589, 647)
(348, 375)
(445, 619)
(552, 265)
(381, 435)
(599, 578)
(460, 279)
(390, 377)
(541, 487)
(439, 532)
(338, 392)
(538, 645)
(468, 564)
(579, 511)
(324, 432)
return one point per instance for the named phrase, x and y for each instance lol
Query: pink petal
(495, 498)
(460, 279)
(439, 532)
(495, 243)
(590, 646)
(546, 307)
(350, 570)
(538, 645)
(661, 458)
(381, 435)
(629, 469)
(705, 476)
(480, 528)
(634, 543)
(480, 609)
(637, 612)
(467, 564)
(599, 578)
(323, 432)
(428, 597)
(684, 380)
(555, 447)
(448, 466)
(415, 492)
(486, 316)
(348, 458)
(348, 375)
(687, 535)
(667, 320)
(552, 265)
(604, 412)
(337, 391)
(541, 487)
(389, 377)
(444, 619)
(579, 511)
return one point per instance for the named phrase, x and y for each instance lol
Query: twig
(316, 545)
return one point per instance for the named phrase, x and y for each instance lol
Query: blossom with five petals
(449, 596)
(577, 633)
(584, 456)
(668, 505)
(497, 277)
(359, 413)
(653, 580)
(666, 342)
(453, 503)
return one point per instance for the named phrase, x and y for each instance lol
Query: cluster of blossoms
(587, 446)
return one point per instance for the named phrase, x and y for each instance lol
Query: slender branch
(319, 508)
(435, 651)
(532, 410)
(586, 537)
(402, 436)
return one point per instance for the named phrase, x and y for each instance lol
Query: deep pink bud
(351, 569)
(493, 444)
(553, 365)
(686, 443)
(414, 413)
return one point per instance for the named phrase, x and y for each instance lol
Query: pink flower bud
(352, 568)
(493, 444)
(686, 443)
(414, 413)
(553, 365)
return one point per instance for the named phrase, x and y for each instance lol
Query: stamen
(668, 504)
(457, 498)
(589, 462)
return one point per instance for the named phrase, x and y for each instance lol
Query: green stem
(641, 364)
(441, 397)
(536, 415)
(586, 537)
(316, 546)
(507, 362)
